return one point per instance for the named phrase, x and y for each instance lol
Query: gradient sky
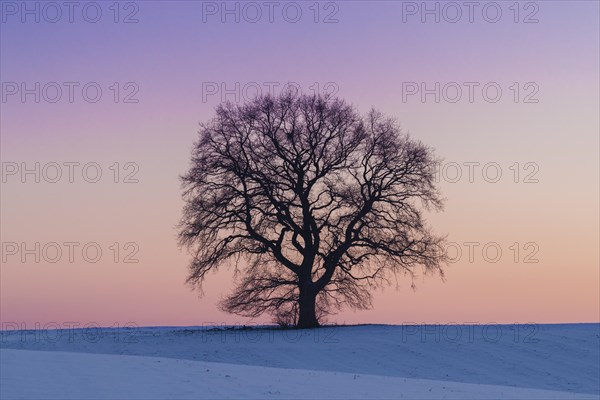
(368, 54)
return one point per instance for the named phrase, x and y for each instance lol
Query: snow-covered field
(371, 361)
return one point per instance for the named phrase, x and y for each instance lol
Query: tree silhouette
(314, 205)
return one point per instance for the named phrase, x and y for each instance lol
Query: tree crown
(314, 197)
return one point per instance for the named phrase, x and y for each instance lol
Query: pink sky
(368, 55)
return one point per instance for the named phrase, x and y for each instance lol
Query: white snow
(49, 375)
(372, 361)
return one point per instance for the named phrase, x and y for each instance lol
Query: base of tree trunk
(307, 315)
(308, 324)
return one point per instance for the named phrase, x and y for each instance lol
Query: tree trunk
(307, 316)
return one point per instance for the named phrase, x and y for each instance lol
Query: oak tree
(313, 204)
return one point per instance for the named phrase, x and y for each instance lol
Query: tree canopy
(314, 205)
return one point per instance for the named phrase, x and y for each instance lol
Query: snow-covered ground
(44, 375)
(371, 361)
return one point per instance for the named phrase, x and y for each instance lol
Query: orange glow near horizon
(541, 213)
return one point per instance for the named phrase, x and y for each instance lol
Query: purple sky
(172, 60)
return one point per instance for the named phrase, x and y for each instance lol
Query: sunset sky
(545, 145)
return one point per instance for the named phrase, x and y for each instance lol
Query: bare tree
(320, 203)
